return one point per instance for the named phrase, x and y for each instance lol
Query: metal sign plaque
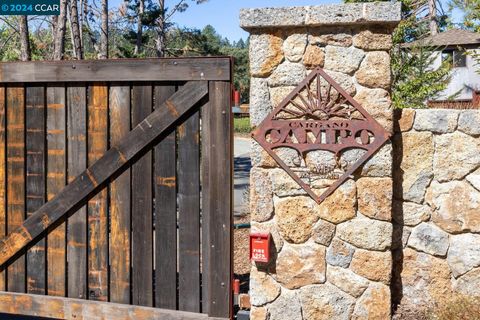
(330, 134)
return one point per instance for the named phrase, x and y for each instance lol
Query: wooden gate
(115, 189)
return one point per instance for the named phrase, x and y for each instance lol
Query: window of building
(447, 55)
(458, 58)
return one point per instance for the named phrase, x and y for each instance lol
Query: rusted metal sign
(330, 134)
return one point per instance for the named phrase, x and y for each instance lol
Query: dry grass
(457, 308)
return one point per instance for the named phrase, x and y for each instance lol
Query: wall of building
(462, 80)
(333, 260)
(436, 208)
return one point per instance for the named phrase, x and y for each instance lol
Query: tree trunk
(59, 43)
(74, 25)
(141, 10)
(160, 41)
(25, 53)
(88, 29)
(53, 27)
(54, 24)
(69, 22)
(83, 16)
(432, 15)
(104, 31)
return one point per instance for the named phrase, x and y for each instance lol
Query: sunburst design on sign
(330, 133)
(311, 104)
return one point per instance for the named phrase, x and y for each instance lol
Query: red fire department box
(260, 247)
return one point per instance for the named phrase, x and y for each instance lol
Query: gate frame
(208, 75)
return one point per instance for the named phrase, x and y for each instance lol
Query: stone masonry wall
(333, 260)
(436, 206)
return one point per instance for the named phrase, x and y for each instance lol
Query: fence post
(217, 189)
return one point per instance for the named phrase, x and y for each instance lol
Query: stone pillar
(333, 260)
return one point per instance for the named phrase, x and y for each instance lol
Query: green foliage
(39, 40)
(183, 5)
(151, 17)
(9, 41)
(180, 42)
(241, 125)
(122, 37)
(207, 42)
(7, 49)
(476, 56)
(471, 20)
(414, 80)
(241, 74)
(471, 13)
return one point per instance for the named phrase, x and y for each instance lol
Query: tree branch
(175, 9)
(9, 24)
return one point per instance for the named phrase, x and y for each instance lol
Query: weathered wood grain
(217, 201)
(97, 206)
(137, 260)
(174, 69)
(76, 309)
(206, 136)
(16, 179)
(189, 214)
(142, 242)
(165, 212)
(3, 194)
(56, 179)
(35, 181)
(76, 164)
(120, 200)
(116, 159)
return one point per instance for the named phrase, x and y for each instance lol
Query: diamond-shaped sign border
(381, 135)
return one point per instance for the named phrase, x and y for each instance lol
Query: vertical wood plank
(120, 200)
(76, 163)
(16, 178)
(133, 145)
(165, 213)
(35, 181)
(205, 113)
(189, 214)
(56, 178)
(3, 194)
(97, 206)
(142, 242)
(217, 201)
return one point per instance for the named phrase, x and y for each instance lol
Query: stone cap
(322, 15)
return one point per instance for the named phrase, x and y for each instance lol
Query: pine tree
(471, 13)
(414, 80)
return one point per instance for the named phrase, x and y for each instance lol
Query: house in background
(463, 91)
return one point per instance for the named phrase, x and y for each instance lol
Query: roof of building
(450, 37)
